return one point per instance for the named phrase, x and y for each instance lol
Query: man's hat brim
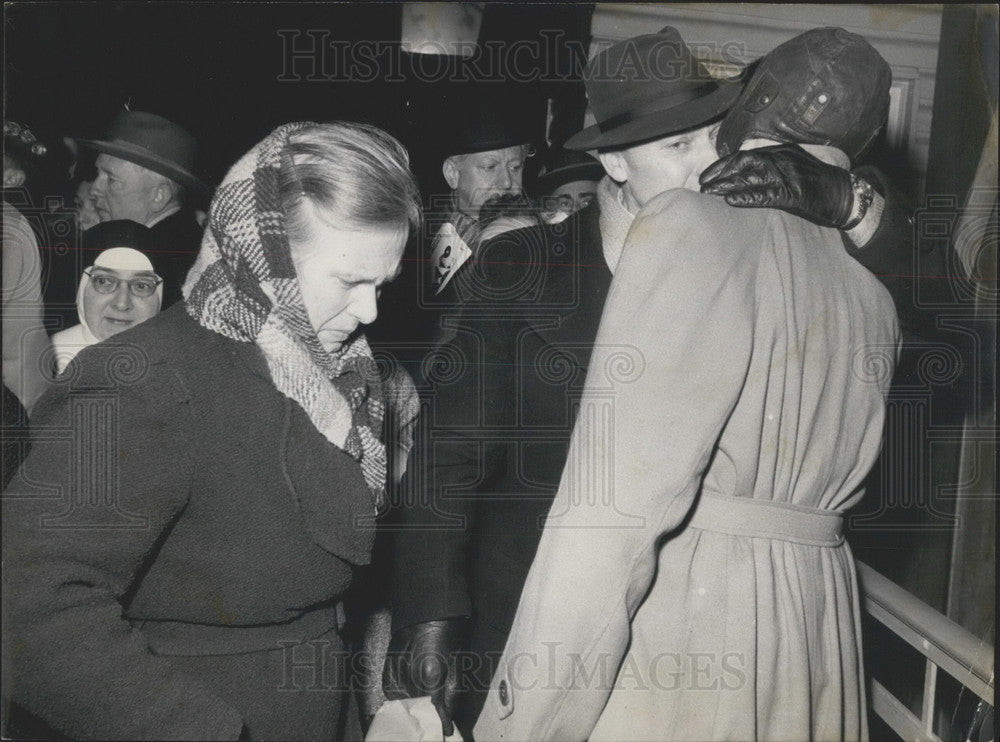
(659, 123)
(548, 181)
(487, 145)
(151, 161)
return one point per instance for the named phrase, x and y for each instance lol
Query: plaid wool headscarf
(244, 286)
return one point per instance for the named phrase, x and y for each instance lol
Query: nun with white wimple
(120, 290)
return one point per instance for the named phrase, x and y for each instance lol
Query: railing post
(930, 691)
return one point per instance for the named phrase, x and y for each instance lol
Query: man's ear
(13, 177)
(163, 194)
(615, 165)
(449, 169)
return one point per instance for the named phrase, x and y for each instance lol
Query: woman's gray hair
(355, 174)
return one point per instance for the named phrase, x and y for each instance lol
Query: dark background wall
(231, 71)
(212, 67)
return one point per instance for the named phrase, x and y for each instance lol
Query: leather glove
(785, 177)
(420, 661)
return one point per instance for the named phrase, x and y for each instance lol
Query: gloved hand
(421, 662)
(784, 177)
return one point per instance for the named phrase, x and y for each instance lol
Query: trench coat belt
(745, 516)
(180, 638)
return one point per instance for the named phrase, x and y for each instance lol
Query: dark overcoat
(175, 548)
(493, 440)
(177, 240)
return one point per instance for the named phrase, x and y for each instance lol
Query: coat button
(504, 695)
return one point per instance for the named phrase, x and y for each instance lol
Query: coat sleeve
(682, 297)
(889, 251)
(452, 458)
(107, 477)
(906, 266)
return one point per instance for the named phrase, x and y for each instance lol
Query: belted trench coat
(692, 581)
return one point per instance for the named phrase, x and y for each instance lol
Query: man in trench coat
(692, 581)
(496, 435)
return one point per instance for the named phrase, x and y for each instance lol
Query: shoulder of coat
(700, 212)
(154, 353)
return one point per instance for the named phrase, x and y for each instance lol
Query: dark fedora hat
(154, 143)
(566, 166)
(647, 87)
(485, 120)
(824, 86)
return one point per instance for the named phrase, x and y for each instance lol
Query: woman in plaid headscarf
(221, 467)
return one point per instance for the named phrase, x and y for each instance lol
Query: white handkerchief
(409, 720)
(448, 253)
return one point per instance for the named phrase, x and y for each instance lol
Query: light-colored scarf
(244, 286)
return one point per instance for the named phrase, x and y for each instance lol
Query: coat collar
(616, 220)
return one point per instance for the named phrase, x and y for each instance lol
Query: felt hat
(487, 120)
(825, 86)
(565, 166)
(154, 143)
(648, 87)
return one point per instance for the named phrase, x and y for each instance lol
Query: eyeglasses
(141, 288)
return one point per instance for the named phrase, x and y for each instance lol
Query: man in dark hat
(486, 468)
(478, 141)
(568, 181)
(480, 175)
(146, 172)
(517, 365)
(484, 148)
(692, 580)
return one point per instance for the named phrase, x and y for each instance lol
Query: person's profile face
(86, 214)
(674, 161)
(341, 272)
(107, 314)
(122, 190)
(485, 175)
(572, 196)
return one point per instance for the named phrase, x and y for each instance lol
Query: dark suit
(177, 240)
(494, 440)
(411, 308)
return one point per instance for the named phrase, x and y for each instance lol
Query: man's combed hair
(355, 174)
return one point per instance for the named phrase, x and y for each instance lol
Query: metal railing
(945, 645)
